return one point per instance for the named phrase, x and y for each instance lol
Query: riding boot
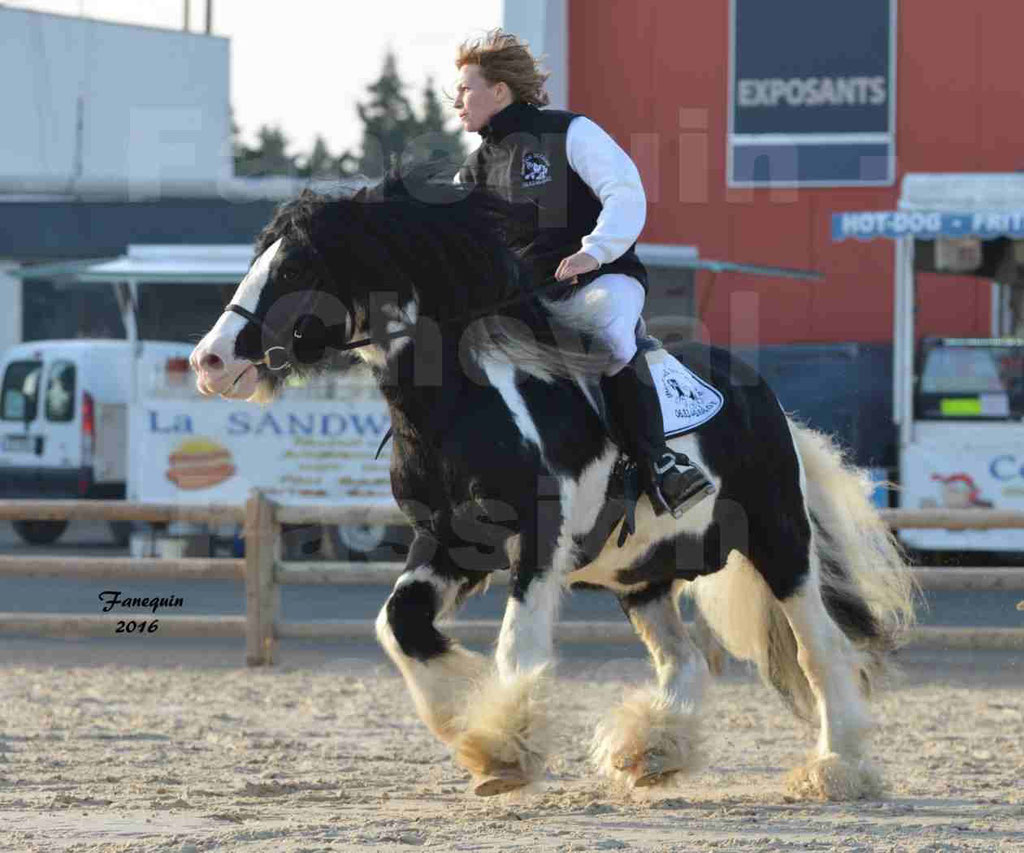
(672, 482)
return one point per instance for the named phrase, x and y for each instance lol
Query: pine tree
(320, 163)
(269, 157)
(388, 121)
(392, 133)
(435, 142)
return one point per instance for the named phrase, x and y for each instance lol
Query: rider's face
(476, 100)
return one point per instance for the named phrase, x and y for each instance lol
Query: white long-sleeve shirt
(613, 178)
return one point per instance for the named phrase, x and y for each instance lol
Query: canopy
(154, 264)
(986, 206)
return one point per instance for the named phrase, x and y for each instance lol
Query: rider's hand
(575, 265)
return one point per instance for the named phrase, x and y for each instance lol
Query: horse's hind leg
(653, 735)
(437, 670)
(832, 667)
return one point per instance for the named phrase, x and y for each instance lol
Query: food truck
(317, 443)
(958, 403)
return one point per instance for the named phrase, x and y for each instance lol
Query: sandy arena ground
(327, 755)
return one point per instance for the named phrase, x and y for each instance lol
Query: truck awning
(153, 264)
(980, 205)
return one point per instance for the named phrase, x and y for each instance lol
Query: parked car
(63, 422)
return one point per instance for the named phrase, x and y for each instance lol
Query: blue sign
(926, 225)
(812, 93)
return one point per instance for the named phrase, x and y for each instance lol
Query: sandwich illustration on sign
(199, 463)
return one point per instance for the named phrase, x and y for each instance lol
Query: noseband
(280, 362)
(268, 357)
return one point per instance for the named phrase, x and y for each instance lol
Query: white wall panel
(152, 104)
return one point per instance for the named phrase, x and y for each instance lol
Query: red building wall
(654, 73)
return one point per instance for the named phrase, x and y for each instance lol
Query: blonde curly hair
(504, 58)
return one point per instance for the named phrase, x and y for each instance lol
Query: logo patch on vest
(687, 401)
(536, 169)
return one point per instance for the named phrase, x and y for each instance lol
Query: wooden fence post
(262, 540)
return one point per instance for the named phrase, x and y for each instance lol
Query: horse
(502, 462)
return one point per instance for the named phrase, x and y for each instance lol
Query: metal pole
(897, 335)
(908, 334)
(185, 25)
(135, 345)
(209, 16)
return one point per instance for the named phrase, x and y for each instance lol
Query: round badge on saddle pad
(687, 401)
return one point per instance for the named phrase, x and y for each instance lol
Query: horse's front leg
(437, 670)
(505, 742)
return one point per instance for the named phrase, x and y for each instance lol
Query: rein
(269, 359)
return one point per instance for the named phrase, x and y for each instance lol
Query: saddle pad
(687, 401)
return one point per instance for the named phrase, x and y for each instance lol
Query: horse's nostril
(211, 362)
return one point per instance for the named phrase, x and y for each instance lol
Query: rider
(586, 208)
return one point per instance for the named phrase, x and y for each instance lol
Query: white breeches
(611, 306)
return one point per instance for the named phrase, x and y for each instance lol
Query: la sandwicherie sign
(295, 451)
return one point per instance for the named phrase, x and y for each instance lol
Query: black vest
(523, 159)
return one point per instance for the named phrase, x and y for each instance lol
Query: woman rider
(583, 207)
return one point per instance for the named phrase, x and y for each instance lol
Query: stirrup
(700, 488)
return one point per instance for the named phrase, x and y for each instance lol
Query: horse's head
(290, 310)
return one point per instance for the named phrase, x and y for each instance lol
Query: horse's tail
(867, 586)
(864, 580)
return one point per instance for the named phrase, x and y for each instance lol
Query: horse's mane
(443, 243)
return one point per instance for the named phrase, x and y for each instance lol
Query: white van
(64, 421)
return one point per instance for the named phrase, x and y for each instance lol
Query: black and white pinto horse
(502, 462)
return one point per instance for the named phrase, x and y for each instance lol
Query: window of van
(60, 392)
(19, 394)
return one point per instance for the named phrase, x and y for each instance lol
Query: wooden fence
(264, 571)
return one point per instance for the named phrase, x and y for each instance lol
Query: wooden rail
(264, 573)
(213, 514)
(187, 568)
(385, 574)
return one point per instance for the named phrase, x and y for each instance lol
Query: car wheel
(40, 532)
(359, 541)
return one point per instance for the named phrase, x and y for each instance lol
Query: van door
(62, 402)
(19, 411)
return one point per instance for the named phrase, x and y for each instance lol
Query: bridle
(268, 359)
(279, 363)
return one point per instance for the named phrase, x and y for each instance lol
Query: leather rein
(278, 363)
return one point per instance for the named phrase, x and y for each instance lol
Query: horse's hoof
(499, 783)
(649, 770)
(654, 778)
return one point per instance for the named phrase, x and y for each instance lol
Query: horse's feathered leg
(653, 735)
(832, 666)
(438, 671)
(505, 744)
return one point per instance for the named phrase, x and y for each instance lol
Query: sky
(277, 48)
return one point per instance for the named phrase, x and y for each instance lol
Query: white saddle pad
(687, 401)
